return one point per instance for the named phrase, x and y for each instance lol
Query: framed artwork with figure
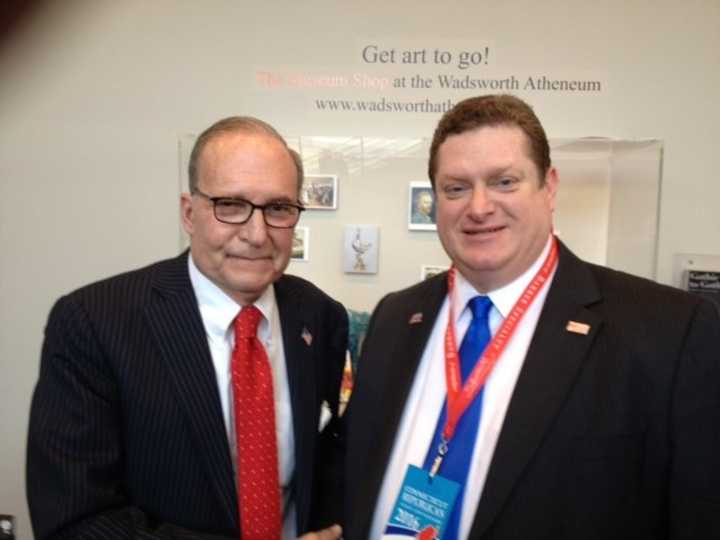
(320, 192)
(421, 207)
(360, 249)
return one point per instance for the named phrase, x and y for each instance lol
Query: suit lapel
(175, 322)
(401, 357)
(412, 337)
(548, 374)
(295, 323)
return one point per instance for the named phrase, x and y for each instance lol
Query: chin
(486, 266)
(248, 282)
(487, 262)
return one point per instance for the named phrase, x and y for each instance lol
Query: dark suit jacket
(126, 434)
(610, 435)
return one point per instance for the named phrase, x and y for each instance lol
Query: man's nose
(255, 229)
(481, 202)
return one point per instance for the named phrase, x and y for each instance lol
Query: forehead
(233, 159)
(501, 146)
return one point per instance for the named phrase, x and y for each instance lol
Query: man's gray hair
(238, 124)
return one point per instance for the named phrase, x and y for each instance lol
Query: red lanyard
(458, 399)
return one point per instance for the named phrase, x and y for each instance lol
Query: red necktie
(258, 483)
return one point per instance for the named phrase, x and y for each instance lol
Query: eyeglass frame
(253, 207)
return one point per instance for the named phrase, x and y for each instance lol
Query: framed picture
(360, 249)
(301, 244)
(430, 270)
(320, 192)
(421, 207)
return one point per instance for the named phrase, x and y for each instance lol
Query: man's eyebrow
(230, 197)
(491, 173)
(454, 177)
(281, 200)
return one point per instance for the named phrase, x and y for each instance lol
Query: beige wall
(95, 94)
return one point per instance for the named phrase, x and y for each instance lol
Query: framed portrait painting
(421, 207)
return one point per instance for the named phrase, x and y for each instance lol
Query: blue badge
(423, 506)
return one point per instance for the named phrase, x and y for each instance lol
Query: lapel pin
(578, 327)
(306, 336)
(416, 318)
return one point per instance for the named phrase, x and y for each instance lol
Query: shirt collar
(218, 310)
(505, 297)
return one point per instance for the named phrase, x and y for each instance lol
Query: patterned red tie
(259, 492)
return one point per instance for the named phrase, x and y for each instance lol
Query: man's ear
(551, 185)
(186, 212)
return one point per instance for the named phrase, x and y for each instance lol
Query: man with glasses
(184, 399)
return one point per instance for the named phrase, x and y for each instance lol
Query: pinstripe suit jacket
(126, 436)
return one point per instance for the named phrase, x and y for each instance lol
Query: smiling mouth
(247, 258)
(484, 230)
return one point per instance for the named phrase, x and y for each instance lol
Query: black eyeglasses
(236, 211)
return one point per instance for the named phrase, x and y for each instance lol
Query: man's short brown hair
(492, 110)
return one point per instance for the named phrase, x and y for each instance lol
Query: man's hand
(331, 533)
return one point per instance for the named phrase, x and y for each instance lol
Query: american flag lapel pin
(415, 318)
(578, 328)
(306, 336)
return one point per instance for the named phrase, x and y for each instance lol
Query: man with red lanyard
(527, 394)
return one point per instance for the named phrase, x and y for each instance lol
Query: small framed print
(320, 192)
(301, 244)
(360, 250)
(421, 207)
(7, 526)
(431, 270)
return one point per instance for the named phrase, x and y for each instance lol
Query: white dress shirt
(218, 311)
(428, 392)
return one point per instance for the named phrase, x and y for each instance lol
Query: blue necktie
(456, 464)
